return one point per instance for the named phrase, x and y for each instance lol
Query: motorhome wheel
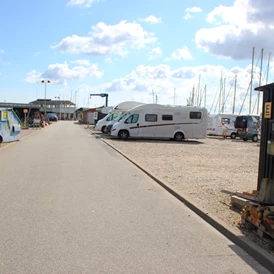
(179, 136)
(255, 138)
(123, 134)
(233, 135)
(1, 139)
(104, 128)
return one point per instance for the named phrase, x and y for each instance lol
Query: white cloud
(155, 53)
(178, 54)
(82, 3)
(190, 11)
(162, 79)
(61, 73)
(1, 51)
(107, 39)
(81, 62)
(238, 28)
(152, 19)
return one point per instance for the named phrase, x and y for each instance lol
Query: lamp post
(59, 97)
(45, 111)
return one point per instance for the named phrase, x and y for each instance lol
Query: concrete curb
(255, 251)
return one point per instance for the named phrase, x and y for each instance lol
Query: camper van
(117, 119)
(247, 127)
(9, 125)
(101, 125)
(214, 126)
(161, 121)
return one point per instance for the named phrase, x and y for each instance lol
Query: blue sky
(133, 50)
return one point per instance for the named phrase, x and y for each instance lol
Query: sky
(168, 52)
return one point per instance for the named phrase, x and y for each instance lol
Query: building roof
(262, 88)
(53, 102)
(19, 105)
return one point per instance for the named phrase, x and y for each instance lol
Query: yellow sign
(5, 115)
(267, 110)
(25, 110)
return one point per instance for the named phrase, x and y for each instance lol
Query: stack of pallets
(260, 216)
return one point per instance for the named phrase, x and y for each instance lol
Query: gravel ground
(207, 171)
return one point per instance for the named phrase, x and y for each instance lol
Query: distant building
(64, 109)
(22, 110)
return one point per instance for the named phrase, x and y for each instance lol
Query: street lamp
(45, 82)
(59, 97)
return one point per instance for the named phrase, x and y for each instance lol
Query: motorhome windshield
(122, 117)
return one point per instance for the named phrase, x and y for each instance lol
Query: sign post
(25, 112)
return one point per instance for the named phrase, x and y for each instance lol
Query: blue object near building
(9, 125)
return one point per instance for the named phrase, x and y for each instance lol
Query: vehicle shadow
(149, 140)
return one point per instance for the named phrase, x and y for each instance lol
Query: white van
(214, 127)
(101, 125)
(161, 121)
(111, 123)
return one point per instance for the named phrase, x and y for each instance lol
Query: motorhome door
(133, 125)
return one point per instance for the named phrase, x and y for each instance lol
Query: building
(64, 109)
(23, 111)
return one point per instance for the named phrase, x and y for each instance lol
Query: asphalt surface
(71, 204)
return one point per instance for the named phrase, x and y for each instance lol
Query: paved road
(70, 204)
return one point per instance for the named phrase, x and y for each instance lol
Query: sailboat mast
(268, 68)
(174, 96)
(234, 97)
(251, 80)
(259, 93)
(205, 97)
(220, 94)
(223, 100)
(198, 90)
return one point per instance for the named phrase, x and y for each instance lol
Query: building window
(151, 117)
(195, 115)
(166, 117)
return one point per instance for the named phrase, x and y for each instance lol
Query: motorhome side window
(225, 120)
(195, 115)
(132, 119)
(166, 117)
(151, 117)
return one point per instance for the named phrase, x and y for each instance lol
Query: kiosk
(9, 125)
(266, 162)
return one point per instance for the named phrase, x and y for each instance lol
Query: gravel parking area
(207, 172)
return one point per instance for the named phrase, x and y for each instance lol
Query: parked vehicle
(117, 119)
(9, 125)
(247, 127)
(52, 117)
(214, 126)
(121, 108)
(162, 121)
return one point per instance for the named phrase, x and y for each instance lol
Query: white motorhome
(161, 121)
(101, 125)
(214, 127)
